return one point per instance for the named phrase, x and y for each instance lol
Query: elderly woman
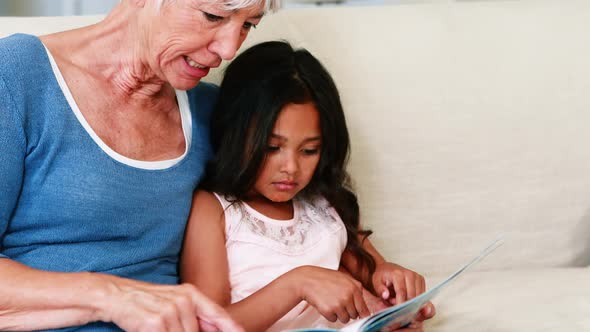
(103, 138)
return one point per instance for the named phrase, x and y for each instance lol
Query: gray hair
(269, 5)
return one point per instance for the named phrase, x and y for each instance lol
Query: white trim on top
(185, 115)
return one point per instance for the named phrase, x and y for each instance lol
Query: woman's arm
(29, 299)
(33, 300)
(204, 263)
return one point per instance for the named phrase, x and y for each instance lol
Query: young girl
(274, 233)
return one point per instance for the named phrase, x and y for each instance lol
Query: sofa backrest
(468, 119)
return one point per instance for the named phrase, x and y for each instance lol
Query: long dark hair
(256, 87)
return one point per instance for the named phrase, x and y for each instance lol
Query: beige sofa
(469, 119)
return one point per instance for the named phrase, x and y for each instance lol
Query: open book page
(403, 314)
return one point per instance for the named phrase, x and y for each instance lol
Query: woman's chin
(184, 84)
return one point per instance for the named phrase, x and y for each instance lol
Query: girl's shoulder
(313, 221)
(231, 209)
(315, 202)
(318, 209)
(224, 200)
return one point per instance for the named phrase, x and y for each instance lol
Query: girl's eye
(272, 148)
(310, 152)
(212, 18)
(248, 25)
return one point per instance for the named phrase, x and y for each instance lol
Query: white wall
(90, 7)
(54, 7)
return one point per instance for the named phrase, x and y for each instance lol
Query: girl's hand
(413, 327)
(374, 303)
(377, 304)
(140, 306)
(336, 295)
(427, 312)
(397, 284)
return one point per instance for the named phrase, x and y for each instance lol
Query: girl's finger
(422, 284)
(352, 311)
(418, 285)
(342, 315)
(399, 285)
(360, 305)
(427, 312)
(382, 289)
(411, 286)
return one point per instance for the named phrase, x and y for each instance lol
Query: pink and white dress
(260, 249)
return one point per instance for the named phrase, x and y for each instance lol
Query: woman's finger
(171, 317)
(188, 319)
(212, 314)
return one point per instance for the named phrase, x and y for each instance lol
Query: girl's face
(293, 153)
(187, 38)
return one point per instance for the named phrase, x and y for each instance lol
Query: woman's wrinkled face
(293, 153)
(187, 38)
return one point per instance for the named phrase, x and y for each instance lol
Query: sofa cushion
(532, 300)
(468, 119)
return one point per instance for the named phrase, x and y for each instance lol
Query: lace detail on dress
(313, 222)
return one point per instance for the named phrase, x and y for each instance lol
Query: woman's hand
(336, 295)
(141, 306)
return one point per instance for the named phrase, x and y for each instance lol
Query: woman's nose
(227, 41)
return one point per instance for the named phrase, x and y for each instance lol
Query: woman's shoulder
(205, 88)
(204, 94)
(202, 100)
(20, 51)
(19, 41)
(25, 70)
(25, 67)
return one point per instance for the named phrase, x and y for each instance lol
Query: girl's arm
(204, 263)
(393, 283)
(390, 281)
(349, 261)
